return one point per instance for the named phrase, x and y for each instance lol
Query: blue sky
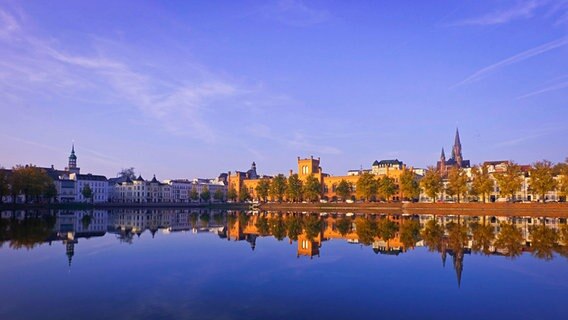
(192, 88)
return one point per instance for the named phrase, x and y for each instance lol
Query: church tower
(442, 166)
(457, 150)
(72, 165)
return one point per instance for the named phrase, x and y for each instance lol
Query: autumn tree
(205, 194)
(409, 187)
(367, 186)
(366, 230)
(561, 169)
(278, 187)
(542, 178)
(386, 229)
(295, 188)
(218, 195)
(386, 188)
(509, 181)
(244, 194)
(262, 189)
(457, 183)
(231, 194)
(543, 241)
(30, 181)
(433, 234)
(343, 225)
(277, 227)
(510, 240)
(4, 185)
(431, 183)
(312, 188)
(193, 194)
(409, 231)
(483, 237)
(344, 189)
(482, 184)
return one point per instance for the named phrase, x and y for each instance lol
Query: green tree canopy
(232, 194)
(344, 189)
(386, 229)
(278, 187)
(386, 188)
(218, 195)
(312, 188)
(367, 186)
(294, 188)
(262, 189)
(244, 195)
(343, 225)
(87, 192)
(205, 194)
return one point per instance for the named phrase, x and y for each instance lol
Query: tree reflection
(262, 225)
(344, 225)
(293, 226)
(312, 226)
(277, 227)
(366, 230)
(409, 233)
(510, 240)
(433, 234)
(544, 240)
(483, 237)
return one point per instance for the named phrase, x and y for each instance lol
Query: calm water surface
(181, 264)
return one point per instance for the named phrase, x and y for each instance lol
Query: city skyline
(190, 90)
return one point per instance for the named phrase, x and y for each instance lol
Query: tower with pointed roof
(72, 164)
(456, 160)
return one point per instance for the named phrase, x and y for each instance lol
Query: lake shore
(106, 205)
(501, 209)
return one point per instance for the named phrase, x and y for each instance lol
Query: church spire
(457, 149)
(443, 155)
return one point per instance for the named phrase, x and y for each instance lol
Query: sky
(185, 89)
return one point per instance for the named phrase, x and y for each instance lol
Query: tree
(409, 187)
(544, 241)
(386, 187)
(4, 185)
(409, 233)
(542, 178)
(293, 226)
(483, 237)
(561, 169)
(482, 183)
(87, 192)
(232, 194)
(509, 181)
(127, 173)
(312, 188)
(433, 234)
(244, 195)
(205, 194)
(30, 181)
(431, 183)
(386, 229)
(193, 194)
(367, 186)
(510, 240)
(50, 191)
(262, 189)
(278, 187)
(277, 227)
(294, 188)
(457, 183)
(218, 195)
(344, 225)
(262, 225)
(344, 189)
(366, 230)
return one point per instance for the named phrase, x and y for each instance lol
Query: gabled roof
(154, 180)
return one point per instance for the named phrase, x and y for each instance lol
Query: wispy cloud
(522, 10)
(554, 87)
(483, 72)
(294, 12)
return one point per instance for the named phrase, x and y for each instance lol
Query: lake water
(182, 264)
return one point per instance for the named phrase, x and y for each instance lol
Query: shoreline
(106, 205)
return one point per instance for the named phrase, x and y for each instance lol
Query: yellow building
(311, 166)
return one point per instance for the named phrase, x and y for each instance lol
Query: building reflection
(451, 236)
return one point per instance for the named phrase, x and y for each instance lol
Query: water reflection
(448, 235)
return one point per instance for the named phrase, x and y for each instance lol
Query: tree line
(32, 182)
(481, 183)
